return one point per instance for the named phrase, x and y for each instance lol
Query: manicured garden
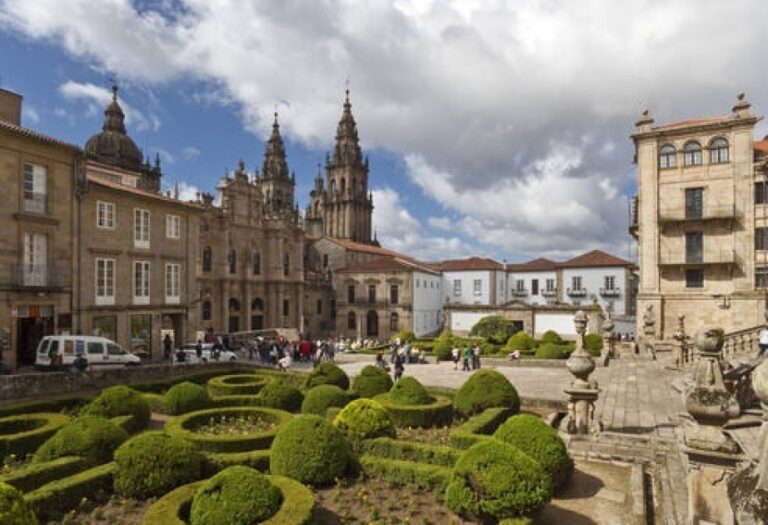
(257, 446)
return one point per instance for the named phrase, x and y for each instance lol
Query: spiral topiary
(13, 509)
(322, 397)
(237, 495)
(485, 388)
(186, 397)
(327, 374)
(371, 381)
(153, 463)
(92, 437)
(408, 391)
(541, 442)
(120, 401)
(310, 450)
(277, 393)
(494, 480)
(364, 419)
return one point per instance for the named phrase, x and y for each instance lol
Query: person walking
(392, 351)
(199, 349)
(455, 357)
(407, 350)
(466, 354)
(763, 342)
(167, 344)
(476, 357)
(399, 367)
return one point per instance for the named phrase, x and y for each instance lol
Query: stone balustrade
(742, 341)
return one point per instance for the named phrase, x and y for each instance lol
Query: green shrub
(217, 461)
(371, 381)
(593, 344)
(156, 402)
(310, 450)
(22, 434)
(399, 472)
(237, 496)
(120, 401)
(13, 509)
(364, 419)
(520, 341)
(444, 344)
(478, 427)
(91, 437)
(173, 508)
(550, 336)
(327, 374)
(485, 388)
(552, 351)
(541, 442)
(124, 422)
(236, 384)
(408, 391)
(411, 451)
(321, 397)
(35, 475)
(60, 496)
(495, 328)
(404, 336)
(495, 480)
(153, 463)
(279, 394)
(438, 413)
(186, 397)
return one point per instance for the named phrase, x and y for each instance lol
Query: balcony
(519, 292)
(549, 293)
(707, 213)
(39, 276)
(610, 292)
(704, 258)
(577, 292)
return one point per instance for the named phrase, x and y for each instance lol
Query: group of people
(469, 355)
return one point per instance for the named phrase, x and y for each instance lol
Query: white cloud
(30, 114)
(98, 98)
(190, 153)
(441, 223)
(187, 192)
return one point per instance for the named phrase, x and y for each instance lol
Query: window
(371, 293)
(105, 281)
(286, 307)
(141, 282)
(477, 287)
(257, 305)
(534, 287)
(550, 284)
(692, 154)
(256, 263)
(173, 283)
(232, 261)
(761, 277)
(35, 267)
(351, 321)
(418, 283)
(234, 305)
(519, 285)
(718, 151)
(34, 188)
(610, 282)
(694, 247)
(457, 287)
(694, 203)
(760, 193)
(394, 294)
(667, 156)
(325, 260)
(394, 322)
(351, 293)
(105, 215)
(319, 308)
(694, 278)
(761, 238)
(576, 282)
(173, 227)
(206, 314)
(207, 259)
(286, 265)
(141, 228)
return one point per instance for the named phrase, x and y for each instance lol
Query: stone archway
(372, 324)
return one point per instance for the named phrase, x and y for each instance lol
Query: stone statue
(680, 336)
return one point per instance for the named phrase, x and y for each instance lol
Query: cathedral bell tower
(275, 183)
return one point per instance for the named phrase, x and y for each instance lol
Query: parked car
(189, 352)
(56, 351)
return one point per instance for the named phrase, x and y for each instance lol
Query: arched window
(234, 305)
(394, 322)
(232, 260)
(286, 264)
(718, 151)
(343, 185)
(206, 311)
(256, 263)
(257, 304)
(333, 187)
(667, 156)
(692, 154)
(351, 321)
(207, 259)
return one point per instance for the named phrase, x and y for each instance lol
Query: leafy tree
(494, 328)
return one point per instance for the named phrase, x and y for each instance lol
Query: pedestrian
(285, 362)
(455, 357)
(199, 349)
(763, 342)
(407, 350)
(167, 344)
(476, 357)
(399, 367)
(392, 351)
(466, 354)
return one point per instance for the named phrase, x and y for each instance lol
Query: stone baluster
(583, 391)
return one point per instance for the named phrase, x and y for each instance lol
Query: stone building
(251, 271)
(37, 174)
(475, 280)
(700, 218)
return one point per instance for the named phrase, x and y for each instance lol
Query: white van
(98, 351)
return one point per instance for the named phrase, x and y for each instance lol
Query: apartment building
(474, 280)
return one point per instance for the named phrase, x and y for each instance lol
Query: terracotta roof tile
(694, 122)
(595, 258)
(537, 265)
(761, 145)
(386, 264)
(26, 132)
(368, 248)
(138, 191)
(471, 263)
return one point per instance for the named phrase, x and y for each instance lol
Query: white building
(535, 282)
(476, 280)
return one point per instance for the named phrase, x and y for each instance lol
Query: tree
(495, 328)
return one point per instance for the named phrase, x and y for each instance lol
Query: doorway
(30, 331)
(372, 324)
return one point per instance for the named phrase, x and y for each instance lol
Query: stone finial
(583, 391)
(741, 108)
(645, 122)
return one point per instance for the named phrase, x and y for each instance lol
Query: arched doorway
(372, 324)
(257, 314)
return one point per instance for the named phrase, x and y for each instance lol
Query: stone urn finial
(580, 363)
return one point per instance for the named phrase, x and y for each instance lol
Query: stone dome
(113, 146)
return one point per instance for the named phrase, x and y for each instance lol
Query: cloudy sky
(493, 128)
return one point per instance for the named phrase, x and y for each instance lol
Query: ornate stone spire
(347, 148)
(275, 165)
(114, 118)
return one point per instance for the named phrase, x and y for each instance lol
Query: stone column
(712, 454)
(583, 392)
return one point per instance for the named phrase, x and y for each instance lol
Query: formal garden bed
(283, 448)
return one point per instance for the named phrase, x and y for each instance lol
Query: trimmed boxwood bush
(217, 461)
(444, 344)
(552, 351)
(593, 344)
(520, 341)
(371, 381)
(327, 374)
(364, 419)
(408, 391)
(405, 336)
(438, 413)
(310, 450)
(23, 434)
(236, 384)
(153, 463)
(186, 397)
(411, 451)
(478, 427)
(541, 442)
(156, 402)
(399, 472)
(37, 474)
(91, 437)
(550, 336)
(495, 480)
(13, 509)
(237, 496)
(59, 497)
(120, 401)
(280, 394)
(322, 397)
(495, 329)
(485, 388)
(185, 427)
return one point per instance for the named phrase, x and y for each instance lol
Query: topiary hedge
(218, 461)
(120, 401)
(541, 442)
(310, 450)
(91, 437)
(186, 427)
(60, 496)
(23, 434)
(411, 451)
(444, 344)
(327, 374)
(35, 475)
(520, 341)
(485, 388)
(438, 413)
(408, 391)
(156, 402)
(237, 496)
(399, 472)
(153, 463)
(371, 381)
(552, 351)
(593, 344)
(494, 480)
(236, 384)
(550, 336)
(322, 397)
(186, 397)
(478, 427)
(364, 419)
(277, 393)
(14, 510)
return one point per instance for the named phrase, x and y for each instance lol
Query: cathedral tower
(276, 185)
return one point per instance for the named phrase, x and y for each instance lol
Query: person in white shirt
(285, 362)
(455, 357)
(763, 342)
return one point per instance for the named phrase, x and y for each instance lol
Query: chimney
(10, 107)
